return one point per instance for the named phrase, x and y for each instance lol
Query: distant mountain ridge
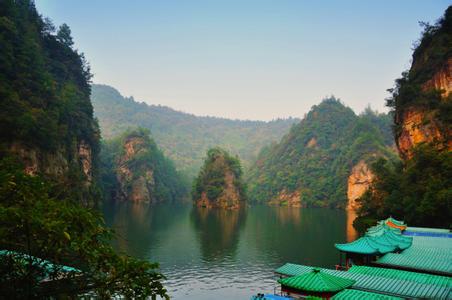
(184, 137)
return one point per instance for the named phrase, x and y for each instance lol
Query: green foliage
(34, 222)
(317, 155)
(45, 88)
(430, 55)
(168, 184)
(183, 137)
(211, 178)
(419, 192)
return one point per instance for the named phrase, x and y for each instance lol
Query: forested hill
(46, 116)
(312, 163)
(183, 137)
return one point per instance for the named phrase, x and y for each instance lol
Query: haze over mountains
(184, 137)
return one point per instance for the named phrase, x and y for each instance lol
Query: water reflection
(218, 231)
(352, 233)
(214, 253)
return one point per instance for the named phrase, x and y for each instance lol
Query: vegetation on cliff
(183, 137)
(46, 113)
(219, 183)
(36, 222)
(48, 147)
(314, 160)
(433, 54)
(134, 169)
(419, 189)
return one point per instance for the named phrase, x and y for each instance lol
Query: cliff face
(56, 163)
(422, 99)
(137, 184)
(358, 182)
(219, 182)
(286, 198)
(419, 125)
(136, 170)
(46, 116)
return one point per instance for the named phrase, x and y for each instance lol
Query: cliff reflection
(218, 231)
(136, 225)
(352, 233)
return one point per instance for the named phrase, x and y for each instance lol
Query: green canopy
(317, 281)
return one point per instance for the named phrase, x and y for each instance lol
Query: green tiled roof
(317, 281)
(349, 294)
(381, 239)
(433, 254)
(367, 245)
(400, 287)
(391, 238)
(403, 275)
(397, 222)
(381, 229)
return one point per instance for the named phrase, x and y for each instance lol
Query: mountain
(422, 98)
(134, 169)
(322, 159)
(46, 120)
(219, 183)
(418, 189)
(183, 137)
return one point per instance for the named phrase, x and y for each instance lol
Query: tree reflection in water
(218, 231)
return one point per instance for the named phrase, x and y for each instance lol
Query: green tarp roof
(349, 294)
(401, 287)
(432, 254)
(317, 281)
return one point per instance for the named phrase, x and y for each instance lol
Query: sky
(247, 59)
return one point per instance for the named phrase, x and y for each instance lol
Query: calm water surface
(216, 254)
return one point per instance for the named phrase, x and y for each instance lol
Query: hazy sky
(246, 59)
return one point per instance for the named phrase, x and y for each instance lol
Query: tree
(64, 35)
(58, 232)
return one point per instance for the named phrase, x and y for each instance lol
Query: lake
(218, 254)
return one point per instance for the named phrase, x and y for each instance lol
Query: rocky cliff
(219, 183)
(141, 173)
(46, 120)
(134, 185)
(358, 182)
(422, 99)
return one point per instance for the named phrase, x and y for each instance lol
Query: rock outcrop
(136, 170)
(136, 181)
(420, 126)
(358, 182)
(219, 184)
(424, 95)
(285, 198)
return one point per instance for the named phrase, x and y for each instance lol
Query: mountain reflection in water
(225, 254)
